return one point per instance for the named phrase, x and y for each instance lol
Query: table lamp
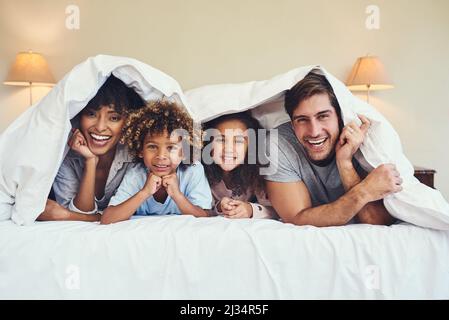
(29, 68)
(368, 74)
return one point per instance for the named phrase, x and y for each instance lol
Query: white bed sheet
(182, 257)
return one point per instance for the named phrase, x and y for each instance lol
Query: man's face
(315, 123)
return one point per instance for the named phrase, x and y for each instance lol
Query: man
(318, 182)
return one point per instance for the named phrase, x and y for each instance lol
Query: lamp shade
(29, 68)
(368, 73)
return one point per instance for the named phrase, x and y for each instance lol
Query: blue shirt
(192, 183)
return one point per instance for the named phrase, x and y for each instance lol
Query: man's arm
(351, 137)
(373, 212)
(293, 204)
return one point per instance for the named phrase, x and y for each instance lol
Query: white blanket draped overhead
(33, 146)
(417, 203)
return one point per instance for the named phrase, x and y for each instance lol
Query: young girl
(96, 163)
(237, 187)
(160, 184)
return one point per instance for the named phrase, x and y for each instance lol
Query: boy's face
(162, 153)
(315, 123)
(230, 147)
(102, 128)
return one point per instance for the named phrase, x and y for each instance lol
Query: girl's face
(229, 148)
(102, 128)
(162, 153)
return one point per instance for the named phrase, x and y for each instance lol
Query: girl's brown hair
(244, 177)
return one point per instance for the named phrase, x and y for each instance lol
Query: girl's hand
(224, 205)
(241, 209)
(78, 143)
(171, 184)
(153, 184)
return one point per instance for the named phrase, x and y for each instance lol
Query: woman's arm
(85, 198)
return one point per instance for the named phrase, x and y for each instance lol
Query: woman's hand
(78, 143)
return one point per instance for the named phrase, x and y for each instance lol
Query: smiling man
(318, 182)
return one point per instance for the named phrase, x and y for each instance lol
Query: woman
(96, 163)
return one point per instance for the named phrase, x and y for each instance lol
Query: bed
(182, 257)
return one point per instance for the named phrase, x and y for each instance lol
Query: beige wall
(214, 41)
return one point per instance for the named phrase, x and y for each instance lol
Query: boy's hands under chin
(78, 143)
(153, 184)
(171, 184)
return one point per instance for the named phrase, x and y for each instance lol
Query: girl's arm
(263, 208)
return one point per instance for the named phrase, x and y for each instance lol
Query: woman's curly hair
(244, 177)
(155, 118)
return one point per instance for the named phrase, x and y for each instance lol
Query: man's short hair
(313, 83)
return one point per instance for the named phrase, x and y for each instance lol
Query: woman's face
(229, 148)
(102, 128)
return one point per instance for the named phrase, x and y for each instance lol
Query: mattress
(182, 257)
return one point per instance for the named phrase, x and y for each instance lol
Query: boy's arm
(124, 210)
(197, 193)
(122, 206)
(186, 207)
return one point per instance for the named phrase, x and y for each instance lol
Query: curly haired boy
(159, 136)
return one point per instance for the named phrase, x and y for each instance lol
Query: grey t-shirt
(324, 183)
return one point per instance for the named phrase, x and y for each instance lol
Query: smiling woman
(96, 163)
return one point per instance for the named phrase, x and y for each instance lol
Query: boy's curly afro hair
(155, 118)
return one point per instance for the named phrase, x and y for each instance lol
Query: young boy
(160, 184)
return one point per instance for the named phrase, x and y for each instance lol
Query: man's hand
(152, 184)
(240, 209)
(351, 137)
(171, 184)
(78, 143)
(382, 181)
(54, 212)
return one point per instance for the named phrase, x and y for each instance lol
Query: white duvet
(210, 258)
(181, 257)
(33, 146)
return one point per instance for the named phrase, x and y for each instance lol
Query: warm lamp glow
(368, 74)
(29, 68)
